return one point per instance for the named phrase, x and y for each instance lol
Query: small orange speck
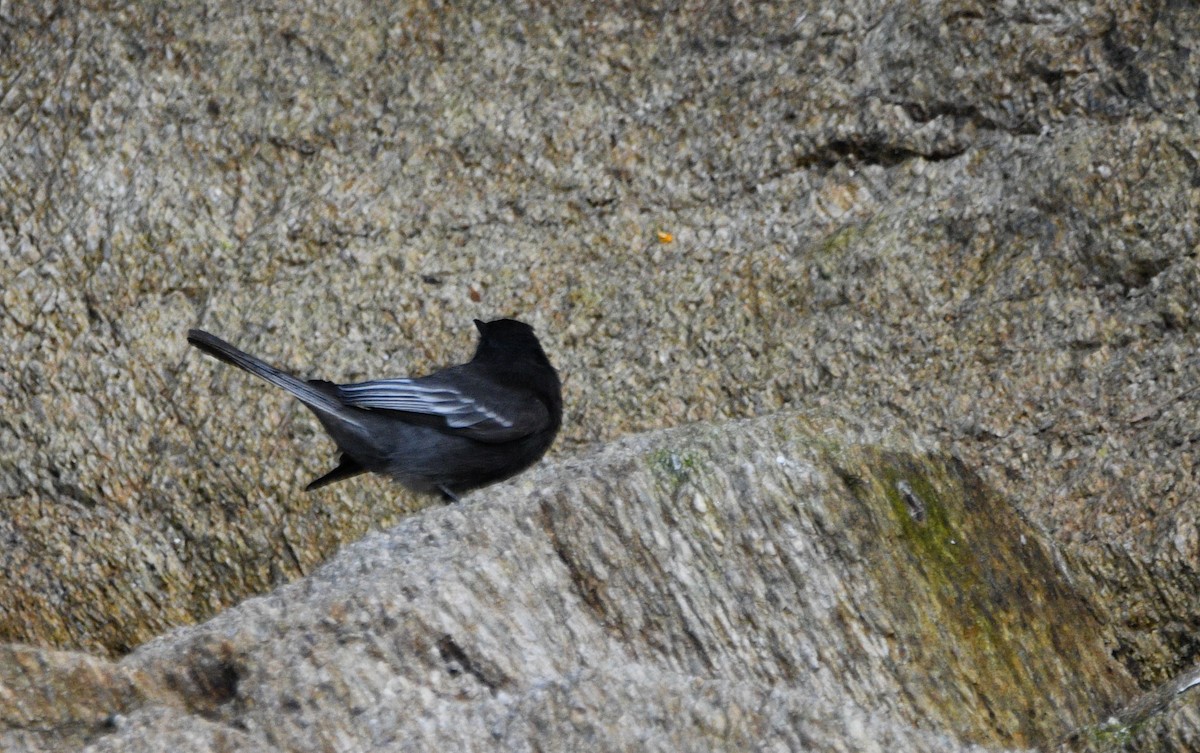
(474, 294)
(665, 237)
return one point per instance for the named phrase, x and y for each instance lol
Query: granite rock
(976, 221)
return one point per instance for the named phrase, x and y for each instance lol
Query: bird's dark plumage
(452, 431)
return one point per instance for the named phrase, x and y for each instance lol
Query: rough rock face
(775, 583)
(975, 222)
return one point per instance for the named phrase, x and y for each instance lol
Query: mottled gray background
(971, 222)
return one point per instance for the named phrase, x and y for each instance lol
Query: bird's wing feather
(488, 413)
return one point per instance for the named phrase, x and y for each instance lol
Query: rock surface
(773, 584)
(975, 221)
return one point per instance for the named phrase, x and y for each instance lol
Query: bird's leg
(447, 495)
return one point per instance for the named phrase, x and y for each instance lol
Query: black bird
(457, 429)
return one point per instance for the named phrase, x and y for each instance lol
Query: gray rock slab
(775, 584)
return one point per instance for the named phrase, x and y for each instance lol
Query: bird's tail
(307, 393)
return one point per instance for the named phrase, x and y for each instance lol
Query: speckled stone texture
(777, 584)
(976, 222)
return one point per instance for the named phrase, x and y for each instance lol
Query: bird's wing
(470, 407)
